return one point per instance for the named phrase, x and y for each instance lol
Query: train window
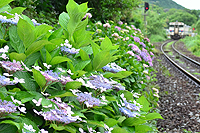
(172, 26)
(176, 26)
(180, 25)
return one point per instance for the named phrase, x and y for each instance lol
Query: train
(178, 30)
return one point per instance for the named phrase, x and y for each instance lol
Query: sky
(190, 4)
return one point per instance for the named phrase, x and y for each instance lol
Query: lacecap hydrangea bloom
(11, 67)
(113, 67)
(7, 107)
(67, 48)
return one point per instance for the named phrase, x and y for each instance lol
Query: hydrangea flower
(88, 100)
(87, 14)
(7, 107)
(28, 129)
(4, 81)
(131, 53)
(11, 67)
(106, 25)
(61, 114)
(99, 23)
(50, 75)
(128, 112)
(119, 28)
(143, 45)
(67, 48)
(135, 48)
(147, 39)
(138, 57)
(120, 22)
(113, 67)
(99, 82)
(136, 39)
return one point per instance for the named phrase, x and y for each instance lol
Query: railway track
(186, 66)
(179, 102)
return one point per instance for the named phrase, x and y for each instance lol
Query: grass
(196, 73)
(192, 44)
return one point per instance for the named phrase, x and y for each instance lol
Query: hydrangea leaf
(119, 130)
(17, 57)
(152, 116)
(110, 122)
(39, 78)
(142, 128)
(101, 59)
(73, 85)
(36, 46)
(63, 20)
(145, 104)
(7, 128)
(29, 84)
(119, 75)
(17, 10)
(132, 121)
(12, 123)
(15, 40)
(4, 2)
(42, 29)
(59, 59)
(25, 32)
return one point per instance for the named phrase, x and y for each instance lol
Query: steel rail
(179, 67)
(195, 62)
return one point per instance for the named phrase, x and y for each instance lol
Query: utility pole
(146, 8)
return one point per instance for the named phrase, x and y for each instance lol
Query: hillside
(165, 4)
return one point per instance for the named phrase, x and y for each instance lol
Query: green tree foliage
(155, 25)
(181, 16)
(165, 4)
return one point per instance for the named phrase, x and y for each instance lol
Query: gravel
(179, 102)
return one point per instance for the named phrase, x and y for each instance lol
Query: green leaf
(84, 55)
(7, 128)
(15, 41)
(119, 75)
(39, 78)
(29, 122)
(63, 20)
(5, 8)
(48, 57)
(119, 130)
(142, 128)
(59, 59)
(81, 65)
(95, 48)
(152, 116)
(106, 44)
(36, 46)
(24, 96)
(2, 41)
(96, 123)
(12, 123)
(71, 5)
(66, 94)
(73, 85)
(30, 60)
(111, 122)
(70, 129)
(17, 10)
(111, 98)
(29, 84)
(145, 104)
(17, 57)
(54, 44)
(42, 29)
(4, 2)
(127, 94)
(101, 59)
(25, 32)
(133, 121)
(56, 34)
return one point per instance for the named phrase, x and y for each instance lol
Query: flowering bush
(69, 80)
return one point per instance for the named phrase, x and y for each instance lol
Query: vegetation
(78, 77)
